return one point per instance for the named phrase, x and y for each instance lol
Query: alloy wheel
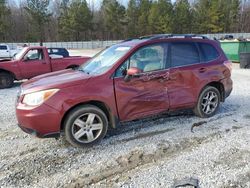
(87, 128)
(209, 102)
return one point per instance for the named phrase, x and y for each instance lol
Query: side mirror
(132, 72)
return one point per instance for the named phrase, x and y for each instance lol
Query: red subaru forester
(130, 80)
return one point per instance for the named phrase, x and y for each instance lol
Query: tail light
(229, 65)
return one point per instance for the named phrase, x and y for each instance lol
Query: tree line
(78, 20)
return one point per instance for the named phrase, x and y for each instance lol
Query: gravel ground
(152, 152)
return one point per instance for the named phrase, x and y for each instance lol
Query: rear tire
(6, 80)
(208, 102)
(85, 126)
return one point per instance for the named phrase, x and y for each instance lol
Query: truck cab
(34, 61)
(4, 51)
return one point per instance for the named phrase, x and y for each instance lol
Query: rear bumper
(228, 86)
(228, 92)
(42, 121)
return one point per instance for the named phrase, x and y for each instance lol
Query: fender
(12, 68)
(3, 70)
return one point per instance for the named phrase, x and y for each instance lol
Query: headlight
(37, 98)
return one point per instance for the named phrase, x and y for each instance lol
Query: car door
(34, 63)
(146, 93)
(184, 79)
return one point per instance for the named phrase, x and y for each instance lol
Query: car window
(184, 53)
(34, 54)
(148, 58)
(3, 47)
(209, 52)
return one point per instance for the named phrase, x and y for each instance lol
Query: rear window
(3, 47)
(209, 52)
(184, 53)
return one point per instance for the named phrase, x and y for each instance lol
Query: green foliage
(144, 9)
(215, 16)
(160, 17)
(230, 14)
(114, 17)
(74, 20)
(182, 21)
(39, 15)
(132, 18)
(4, 23)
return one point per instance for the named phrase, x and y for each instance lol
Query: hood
(2, 61)
(59, 79)
(5, 60)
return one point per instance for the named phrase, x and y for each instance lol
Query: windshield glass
(103, 61)
(19, 54)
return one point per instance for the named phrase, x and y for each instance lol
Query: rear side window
(184, 53)
(209, 52)
(2, 47)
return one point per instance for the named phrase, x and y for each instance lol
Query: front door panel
(34, 64)
(143, 96)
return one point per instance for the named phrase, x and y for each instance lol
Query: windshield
(19, 54)
(103, 61)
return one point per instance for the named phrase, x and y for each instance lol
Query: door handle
(43, 62)
(202, 70)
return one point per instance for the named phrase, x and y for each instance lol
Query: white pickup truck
(6, 52)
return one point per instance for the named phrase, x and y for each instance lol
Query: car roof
(163, 37)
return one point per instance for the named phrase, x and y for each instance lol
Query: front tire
(6, 80)
(85, 126)
(208, 102)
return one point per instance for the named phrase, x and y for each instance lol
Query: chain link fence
(103, 44)
(68, 45)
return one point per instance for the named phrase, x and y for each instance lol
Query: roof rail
(163, 36)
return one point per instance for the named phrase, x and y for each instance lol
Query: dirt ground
(153, 152)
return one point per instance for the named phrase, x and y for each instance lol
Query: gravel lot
(152, 152)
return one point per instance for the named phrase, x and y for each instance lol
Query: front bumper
(39, 135)
(42, 121)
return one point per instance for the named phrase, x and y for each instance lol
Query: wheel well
(8, 72)
(220, 87)
(98, 104)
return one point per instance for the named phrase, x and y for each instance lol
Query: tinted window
(184, 54)
(3, 47)
(208, 51)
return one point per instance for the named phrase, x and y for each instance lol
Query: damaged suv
(130, 80)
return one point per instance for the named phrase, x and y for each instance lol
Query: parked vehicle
(34, 61)
(6, 52)
(130, 80)
(58, 51)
